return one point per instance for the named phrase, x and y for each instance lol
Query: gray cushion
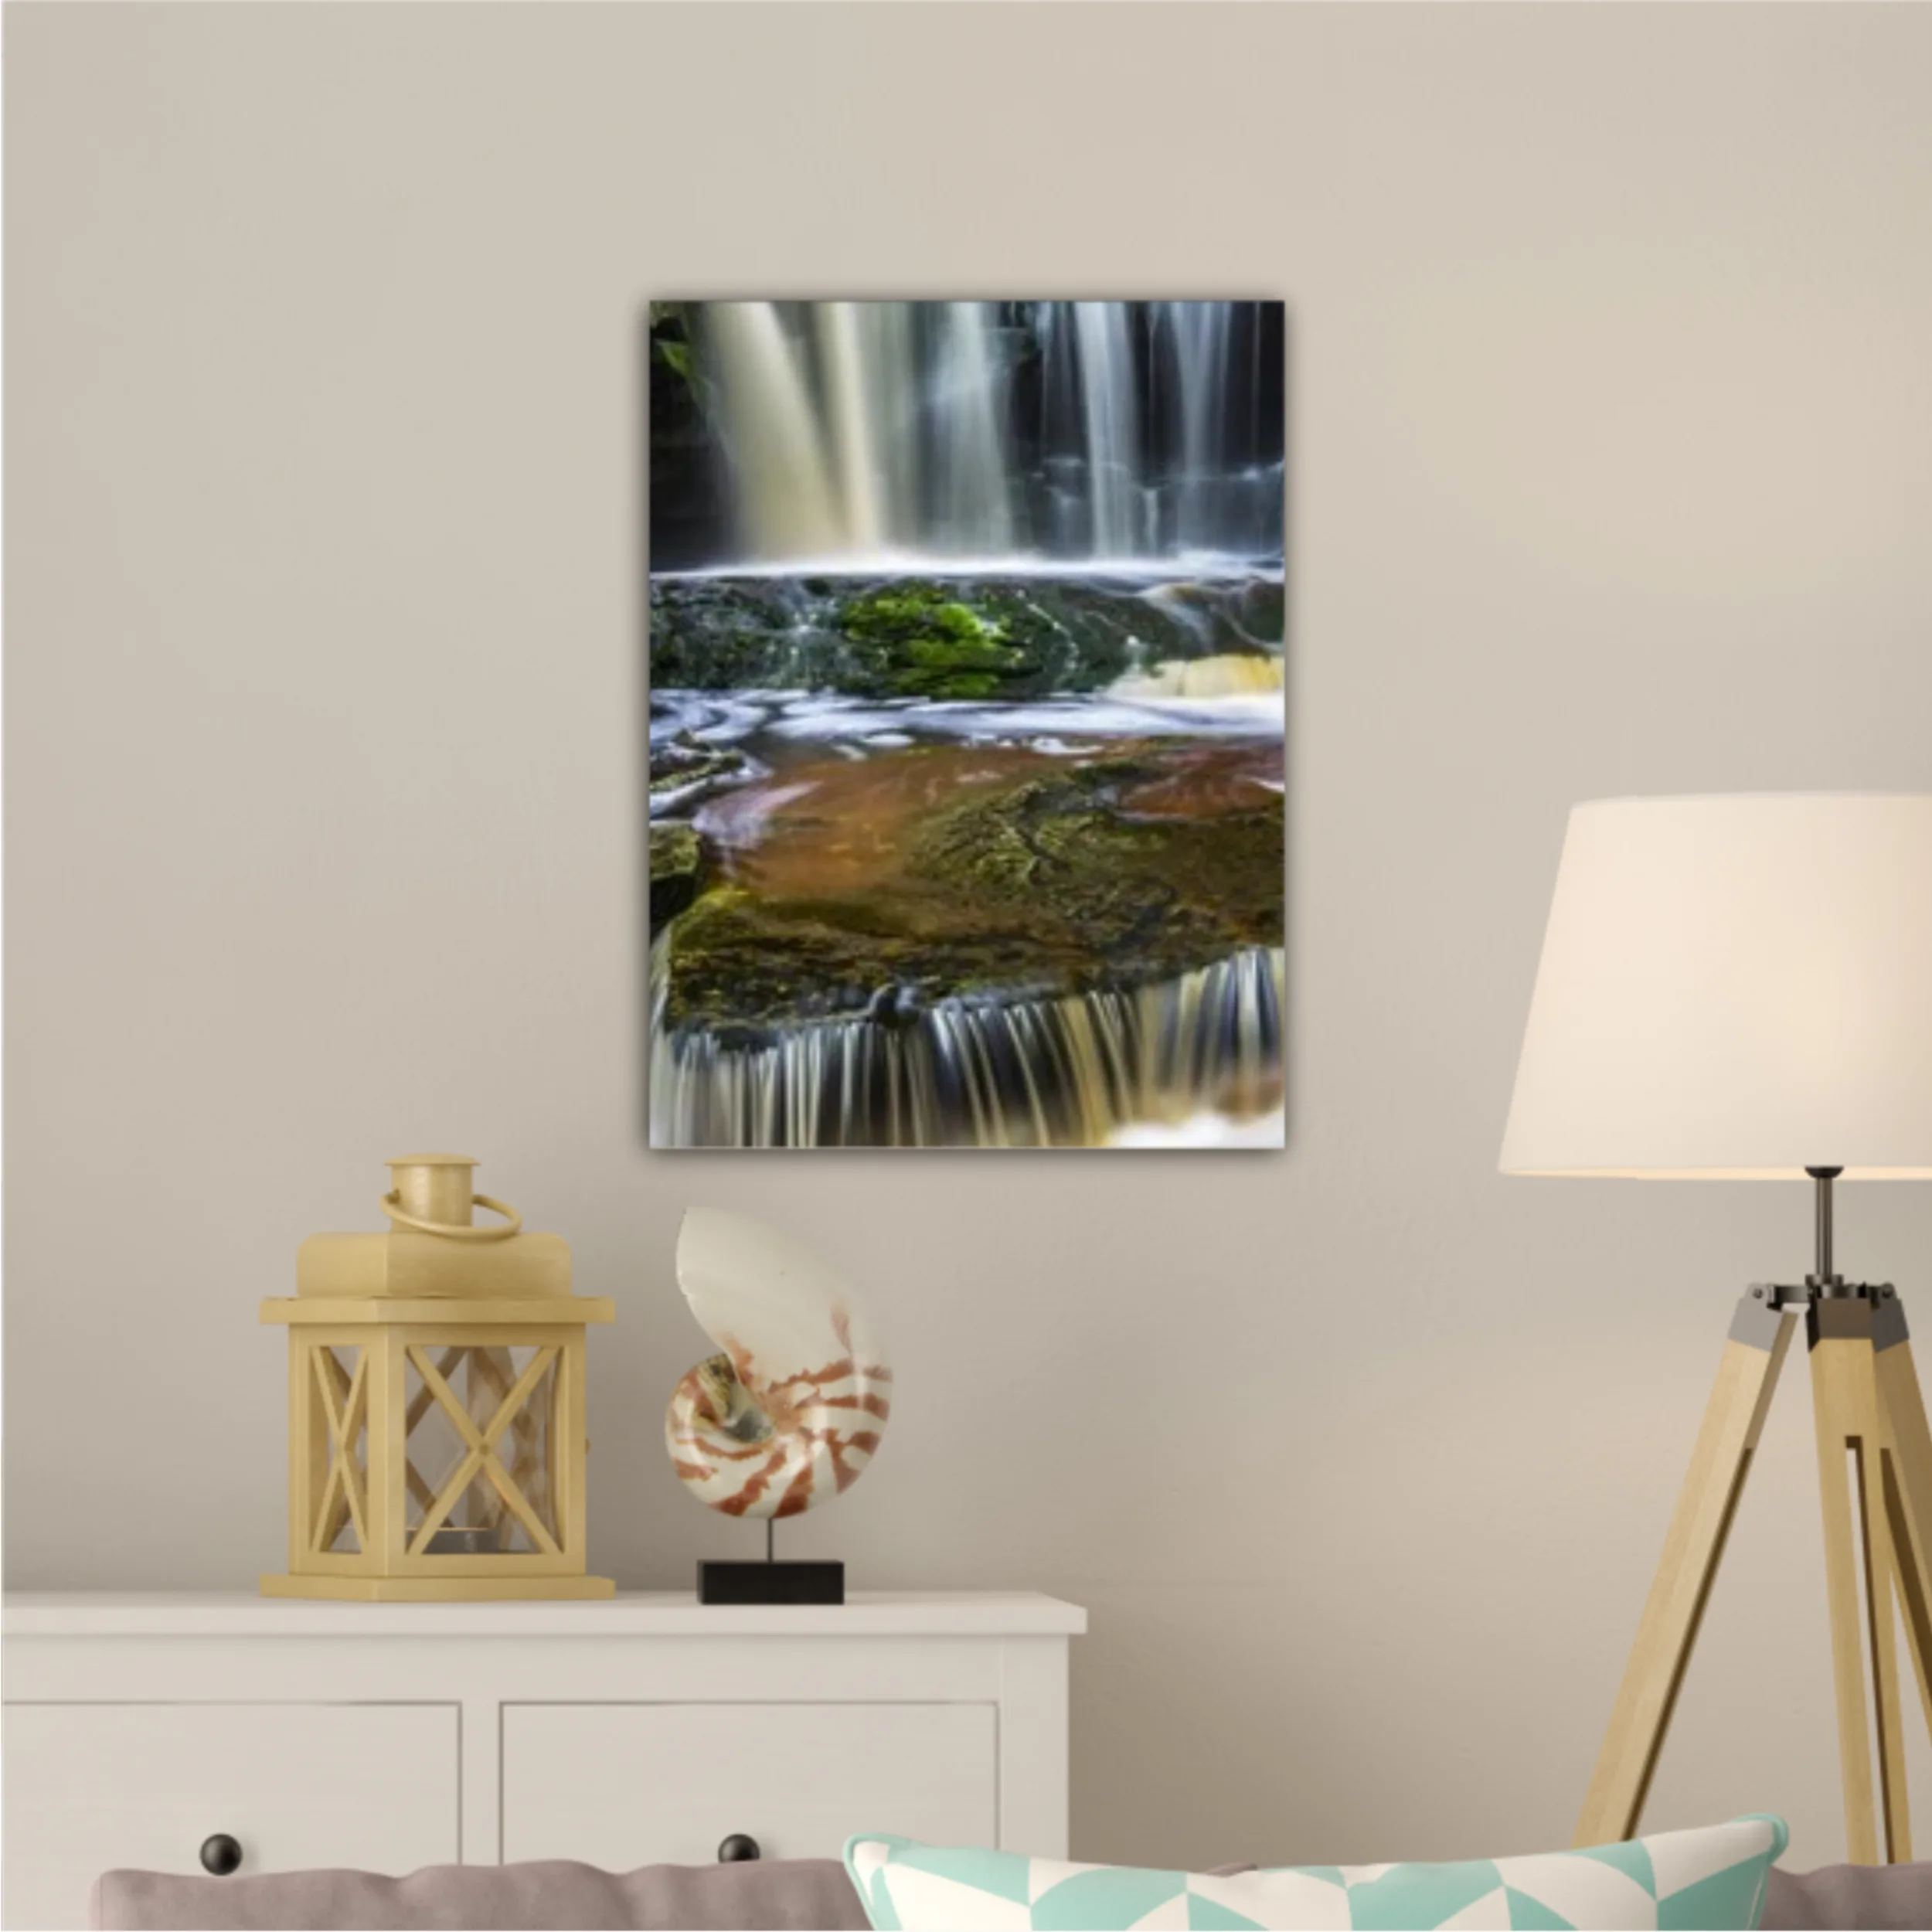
(1878, 1898)
(556, 1893)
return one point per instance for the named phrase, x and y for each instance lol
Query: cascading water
(786, 503)
(849, 408)
(892, 377)
(969, 413)
(1107, 400)
(1048, 430)
(1199, 333)
(1069, 1072)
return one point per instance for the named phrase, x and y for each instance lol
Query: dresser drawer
(625, 1784)
(92, 1787)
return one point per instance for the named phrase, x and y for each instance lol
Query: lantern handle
(452, 1230)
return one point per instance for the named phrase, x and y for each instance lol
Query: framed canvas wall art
(966, 724)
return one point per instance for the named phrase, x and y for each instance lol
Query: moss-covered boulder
(997, 638)
(920, 641)
(677, 871)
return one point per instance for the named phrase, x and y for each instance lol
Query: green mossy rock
(917, 641)
(909, 613)
(1014, 639)
(677, 871)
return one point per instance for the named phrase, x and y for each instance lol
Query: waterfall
(1198, 334)
(1107, 400)
(786, 500)
(1059, 1072)
(849, 402)
(1055, 430)
(969, 436)
(891, 373)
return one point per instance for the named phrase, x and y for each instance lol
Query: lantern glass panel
(503, 1398)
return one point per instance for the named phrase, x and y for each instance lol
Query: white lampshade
(1733, 988)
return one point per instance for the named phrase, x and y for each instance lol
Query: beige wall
(1611, 465)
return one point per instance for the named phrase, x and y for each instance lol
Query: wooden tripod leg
(1733, 1421)
(1908, 1483)
(1859, 1574)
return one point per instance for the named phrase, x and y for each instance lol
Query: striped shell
(788, 1413)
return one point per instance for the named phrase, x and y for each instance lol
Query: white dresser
(644, 1730)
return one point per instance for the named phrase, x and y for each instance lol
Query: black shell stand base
(771, 1582)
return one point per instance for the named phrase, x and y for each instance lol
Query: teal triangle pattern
(1057, 1897)
(1007, 1874)
(1726, 1898)
(1630, 1858)
(1205, 1915)
(878, 1904)
(1409, 1896)
(1529, 1915)
(1110, 1894)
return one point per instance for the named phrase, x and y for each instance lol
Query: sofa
(793, 1893)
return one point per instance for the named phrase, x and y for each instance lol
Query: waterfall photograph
(967, 724)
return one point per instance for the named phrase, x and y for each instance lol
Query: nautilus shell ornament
(787, 1414)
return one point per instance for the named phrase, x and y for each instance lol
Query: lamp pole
(1823, 1277)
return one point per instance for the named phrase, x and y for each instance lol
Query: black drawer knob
(737, 1847)
(221, 1855)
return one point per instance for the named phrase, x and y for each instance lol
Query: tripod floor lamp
(1740, 988)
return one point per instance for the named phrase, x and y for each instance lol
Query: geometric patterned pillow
(1711, 1880)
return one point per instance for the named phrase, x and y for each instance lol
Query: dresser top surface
(631, 1613)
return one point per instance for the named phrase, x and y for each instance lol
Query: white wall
(1611, 467)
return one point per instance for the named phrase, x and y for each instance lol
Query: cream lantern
(436, 1423)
